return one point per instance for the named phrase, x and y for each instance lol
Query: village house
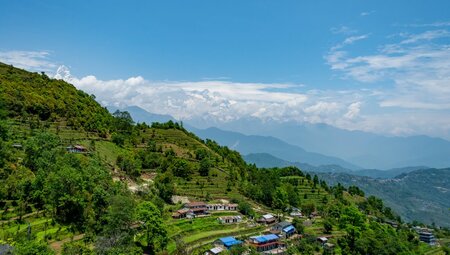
(17, 146)
(214, 251)
(76, 149)
(267, 219)
(222, 207)
(296, 213)
(197, 208)
(427, 237)
(322, 239)
(266, 244)
(284, 229)
(230, 219)
(180, 214)
(227, 242)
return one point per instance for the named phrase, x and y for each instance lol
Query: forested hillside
(76, 180)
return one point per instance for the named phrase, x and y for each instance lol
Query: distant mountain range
(247, 144)
(266, 160)
(363, 149)
(422, 195)
(318, 144)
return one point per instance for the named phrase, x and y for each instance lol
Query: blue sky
(379, 66)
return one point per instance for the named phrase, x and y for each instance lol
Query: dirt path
(23, 217)
(57, 246)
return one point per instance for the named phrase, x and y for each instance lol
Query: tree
(123, 121)
(129, 164)
(64, 191)
(315, 180)
(308, 208)
(353, 222)
(155, 230)
(298, 224)
(41, 151)
(327, 226)
(181, 168)
(245, 208)
(32, 248)
(280, 200)
(205, 165)
(165, 186)
(119, 216)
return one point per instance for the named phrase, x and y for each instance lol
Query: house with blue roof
(284, 229)
(227, 242)
(265, 243)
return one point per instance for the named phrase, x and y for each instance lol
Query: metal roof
(266, 238)
(229, 241)
(288, 229)
(267, 216)
(216, 250)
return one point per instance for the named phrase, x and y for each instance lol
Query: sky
(376, 66)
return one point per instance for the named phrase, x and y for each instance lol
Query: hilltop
(76, 179)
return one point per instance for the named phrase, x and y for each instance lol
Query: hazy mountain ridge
(267, 160)
(246, 144)
(364, 149)
(422, 195)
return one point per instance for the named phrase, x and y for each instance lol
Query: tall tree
(155, 230)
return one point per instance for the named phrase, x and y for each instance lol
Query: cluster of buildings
(270, 243)
(425, 235)
(194, 209)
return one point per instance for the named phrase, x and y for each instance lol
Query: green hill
(76, 180)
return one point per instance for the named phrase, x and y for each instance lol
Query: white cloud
(434, 24)
(353, 110)
(30, 60)
(220, 101)
(343, 30)
(418, 67)
(366, 13)
(418, 104)
(348, 41)
(426, 36)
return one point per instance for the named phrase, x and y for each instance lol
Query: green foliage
(155, 230)
(28, 94)
(181, 168)
(75, 249)
(245, 208)
(354, 190)
(32, 248)
(298, 224)
(205, 166)
(41, 151)
(165, 186)
(129, 164)
(280, 200)
(327, 226)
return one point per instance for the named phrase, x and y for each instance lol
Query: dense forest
(114, 194)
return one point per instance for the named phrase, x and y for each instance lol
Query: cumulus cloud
(30, 60)
(353, 110)
(221, 101)
(420, 72)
